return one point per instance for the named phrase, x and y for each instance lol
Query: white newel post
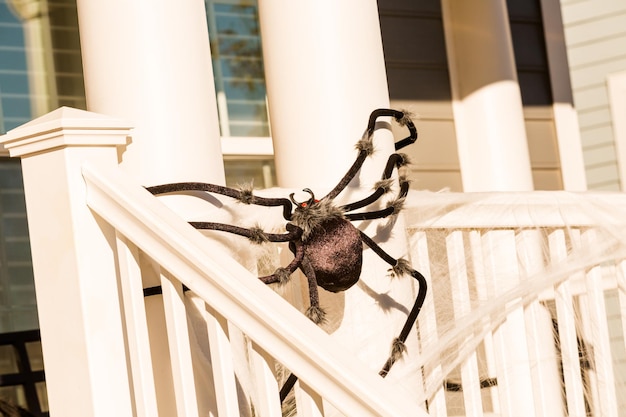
(325, 74)
(73, 262)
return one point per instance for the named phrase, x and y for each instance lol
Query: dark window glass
(415, 50)
(529, 46)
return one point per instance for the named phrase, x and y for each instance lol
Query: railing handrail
(503, 210)
(241, 298)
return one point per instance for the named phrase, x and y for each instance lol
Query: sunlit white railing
(528, 297)
(227, 295)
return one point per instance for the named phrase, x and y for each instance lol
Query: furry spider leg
(244, 195)
(366, 148)
(257, 236)
(400, 266)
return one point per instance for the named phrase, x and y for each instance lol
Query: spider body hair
(404, 160)
(312, 215)
(366, 144)
(245, 194)
(283, 275)
(406, 119)
(396, 205)
(316, 314)
(258, 235)
(402, 267)
(384, 185)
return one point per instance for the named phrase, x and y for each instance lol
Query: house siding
(595, 34)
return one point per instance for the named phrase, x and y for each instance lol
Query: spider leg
(393, 208)
(366, 148)
(314, 312)
(400, 267)
(244, 195)
(396, 160)
(255, 234)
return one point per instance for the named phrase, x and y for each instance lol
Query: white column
(489, 118)
(149, 61)
(73, 262)
(325, 73)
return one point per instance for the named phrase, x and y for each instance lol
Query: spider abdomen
(335, 252)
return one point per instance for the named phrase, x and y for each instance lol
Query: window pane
(18, 309)
(238, 67)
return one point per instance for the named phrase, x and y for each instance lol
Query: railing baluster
(136, 328)
(221, 361)
(546, 380)
(310, 404)
(602, 358)
(483, 293)
(568, 339)
(180, 348)
(268, 403)
(511, 352)
(427, 324)
(462, 307)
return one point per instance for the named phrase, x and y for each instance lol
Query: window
(238, 67)
(18, 307)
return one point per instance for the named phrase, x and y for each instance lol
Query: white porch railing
(528, 296)
(227, 295)
(98, 239)
(525, 316)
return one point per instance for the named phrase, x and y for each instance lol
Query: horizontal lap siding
(595, 33)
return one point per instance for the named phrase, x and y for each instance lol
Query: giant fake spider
(327, 248)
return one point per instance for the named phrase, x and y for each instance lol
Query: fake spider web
(457, 331)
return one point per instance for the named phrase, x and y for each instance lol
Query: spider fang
(304, 204)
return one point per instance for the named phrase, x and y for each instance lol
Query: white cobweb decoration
(526, 306)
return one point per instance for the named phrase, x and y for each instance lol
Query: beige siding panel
(547, 179)
(607, 187)
(591, 9)
(542, 144)
(603, 176)
(593, 74)
(599, 116)
(436, 180)
(597, 51)
(590, 30)
(434, 157)
(596, 135)
(600, 155)
(590, 97)
(436, 147)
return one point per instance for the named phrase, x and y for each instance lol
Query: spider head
(309, 215)
(304, 204)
